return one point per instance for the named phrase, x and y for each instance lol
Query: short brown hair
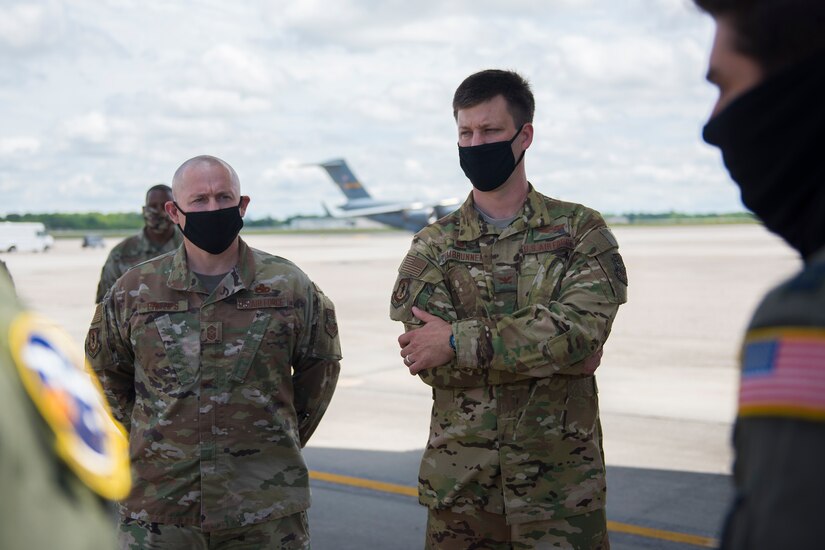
(485, 85)
(775, 33)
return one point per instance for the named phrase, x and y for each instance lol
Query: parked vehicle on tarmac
(93, 241)
(24, 237)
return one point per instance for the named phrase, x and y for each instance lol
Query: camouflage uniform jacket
(219, 391)
(515, 427)
(130, 252)
(779, 435)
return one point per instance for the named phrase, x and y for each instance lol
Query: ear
(526, 136)
(172, 212)
(244, 203)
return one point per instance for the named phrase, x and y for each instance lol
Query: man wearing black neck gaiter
(768, 61)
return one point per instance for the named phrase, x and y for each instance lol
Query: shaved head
(203, 161)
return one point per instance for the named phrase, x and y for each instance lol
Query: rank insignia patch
(212, 332)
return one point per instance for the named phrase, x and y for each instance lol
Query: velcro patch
(93, 344)
(782, 373)
(259, 303)
(548, 246)
(212, 332)
(552, 228)
(460, 256)
(151, 307)
(69, 399)
(619, 268)
(401, 293)
(412, 266)
(98, 316)
(330, 323)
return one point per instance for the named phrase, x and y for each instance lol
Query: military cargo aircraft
(411, 216)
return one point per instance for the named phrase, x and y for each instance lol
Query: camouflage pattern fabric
(128, 253)
(219, 391)
(44, 504)
(515, 426)
(779, 435)
(448, 530)
(287, 533)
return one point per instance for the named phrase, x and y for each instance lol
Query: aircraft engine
(420, 217)
(442, 210)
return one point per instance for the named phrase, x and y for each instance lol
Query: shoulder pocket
(327, 343)
(603, 246)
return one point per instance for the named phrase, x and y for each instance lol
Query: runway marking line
(615, 526)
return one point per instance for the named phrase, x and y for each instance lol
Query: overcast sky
(99, 99)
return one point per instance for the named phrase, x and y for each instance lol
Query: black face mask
(213, 230)
(489, 165)
(771, 141)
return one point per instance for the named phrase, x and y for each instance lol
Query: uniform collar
(533, 214)
(241, 277)
(147, 246)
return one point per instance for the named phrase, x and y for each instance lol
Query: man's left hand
(427, 346)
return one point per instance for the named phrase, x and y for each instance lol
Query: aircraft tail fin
(345, 179)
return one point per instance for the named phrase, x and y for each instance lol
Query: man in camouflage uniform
(507, 303)
(57, 463)
(768, 61)
(158, 236)
(220, 360)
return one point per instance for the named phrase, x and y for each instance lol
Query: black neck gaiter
(771, 140)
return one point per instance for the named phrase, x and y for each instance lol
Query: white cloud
(270, 85)
(218, 103)
(19, 146)
(237, 68)
(28, 26)
(93, 127)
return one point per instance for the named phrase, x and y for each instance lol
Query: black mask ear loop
(514, 139)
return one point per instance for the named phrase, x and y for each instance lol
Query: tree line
(95, 221)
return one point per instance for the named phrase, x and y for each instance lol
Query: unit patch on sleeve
(330, 323)
(401, 293)
(619, 268)
(69, 399)
(93, 344)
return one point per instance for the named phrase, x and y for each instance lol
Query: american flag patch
(412, 266)
(783, 373)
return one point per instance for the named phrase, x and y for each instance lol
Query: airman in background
(220, 361)
(158, 236)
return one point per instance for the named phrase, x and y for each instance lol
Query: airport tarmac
(667, 381)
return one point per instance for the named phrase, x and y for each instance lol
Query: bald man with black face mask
(220, 361)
